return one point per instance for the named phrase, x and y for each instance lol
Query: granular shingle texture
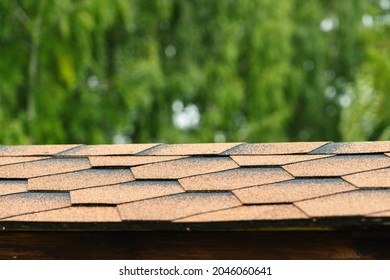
(337, 165)
(379, 178)
(73, 214)
(24, 203)
(235, 178)
(187, 186)
(355, 203)
(126, 192)
(35, 150)
(292, 191)
(182, 168)
(100, 161)
(249, 213)
(44, 167)
(274, 160)
(176, 206)
(274, 148)
(80, 179)
(189, 149)
(102, 150)
(354, 148)
(18, 159)
(12, 186)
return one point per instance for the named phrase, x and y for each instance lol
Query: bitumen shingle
(291, 191)
(189, 149)
(274, 148)
(180, 168)
(35, 150)
(125, 192)
(103, 150)
(353, 203)
(73, 214)
(299, 185)
(273, 160)
(235, 179)
(18, 159)
(379, 178)
(28, 202)
(44, 167)
(101, 161)
(249, 213)
(354, 148)
(177, 206)
(12, 186)
(337, 165)
(80, 179)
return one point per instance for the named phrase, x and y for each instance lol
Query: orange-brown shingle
(43, 167)
(274, 148)
(18, 159)
(24, 203)
(80, 179)
(183, 167)
(354, 203)
(73, 214)
(273, 160)
(12, 186)
(354, 148)
(189, 149)
(176, 206)
(337, 165)
(234, 179)
(293, 190)
(249, 213)
(102, 150)
(34, 150)
(101, 161)
(126, 192)
(379, 178)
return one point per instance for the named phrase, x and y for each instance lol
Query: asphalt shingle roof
(190, 186)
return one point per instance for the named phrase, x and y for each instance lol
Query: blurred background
(119, 71)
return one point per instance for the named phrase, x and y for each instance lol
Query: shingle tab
(249, 213)
(370, 179)
(101, 161)
(12, 186)
(183, 167)
(234, 179)
(102, 150)
(80, 179)
(126, 192)
(293, 190)
(18, 159)
(337, 165)
(274, 148)
(24, 203)
(273, 160)
(354, 148)
(189, 149)
(176, 206)
(73, 214)
(34, 150)
(43, 167)
(354, 203)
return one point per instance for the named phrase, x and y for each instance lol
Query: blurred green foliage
(96, 71)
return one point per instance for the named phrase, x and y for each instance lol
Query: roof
(195, 186)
